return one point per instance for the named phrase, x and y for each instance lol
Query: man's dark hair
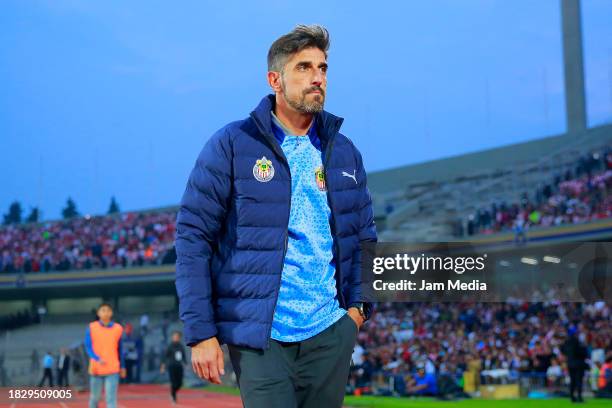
(105, 304)
(302, 36)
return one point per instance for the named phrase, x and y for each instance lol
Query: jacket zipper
(279, 153)
(280, 278)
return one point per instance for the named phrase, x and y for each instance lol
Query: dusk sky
(103, 98)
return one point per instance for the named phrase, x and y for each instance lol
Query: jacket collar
(326, 125)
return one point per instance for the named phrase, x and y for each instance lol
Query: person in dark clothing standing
(132, 346)
(35, 359)
(174, 360)
(3, 377)
(576, 354)
(63, 367)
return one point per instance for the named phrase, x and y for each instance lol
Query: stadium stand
(433, 201)
(578, 196)
(120, 241)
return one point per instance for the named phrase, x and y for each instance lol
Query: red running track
(132, 396)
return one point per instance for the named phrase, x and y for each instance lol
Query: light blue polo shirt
(307, 300)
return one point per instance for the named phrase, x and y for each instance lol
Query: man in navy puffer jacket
(268, 240)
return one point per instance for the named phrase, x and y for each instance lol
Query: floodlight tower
(573, 66)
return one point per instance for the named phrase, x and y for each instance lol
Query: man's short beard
(301, 105)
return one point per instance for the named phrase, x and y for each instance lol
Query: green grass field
(392, 402)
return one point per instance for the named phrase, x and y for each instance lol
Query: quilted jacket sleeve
(201, 214)
(367, 233)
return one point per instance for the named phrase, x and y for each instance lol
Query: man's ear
(274, 80)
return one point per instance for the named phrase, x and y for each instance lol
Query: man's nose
(317, 80)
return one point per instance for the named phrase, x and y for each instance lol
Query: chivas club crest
(320, 178)
(263, 170)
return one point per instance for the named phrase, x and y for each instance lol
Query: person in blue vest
(269, 238)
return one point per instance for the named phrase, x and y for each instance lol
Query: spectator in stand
(554, 373)
(605, 379)
(520, 235)
(423, 383)
(144, 324)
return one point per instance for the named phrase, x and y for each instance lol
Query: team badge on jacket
(263, 170)
(320, 178)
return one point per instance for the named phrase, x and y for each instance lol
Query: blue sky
(103, 98)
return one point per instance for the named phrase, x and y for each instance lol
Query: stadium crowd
(426, 348)
(580, 195)
(124, 240)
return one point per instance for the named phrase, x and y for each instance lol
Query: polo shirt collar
(280, 131)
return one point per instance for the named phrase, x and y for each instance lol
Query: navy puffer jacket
(231, 228)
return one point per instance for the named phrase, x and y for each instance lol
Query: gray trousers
(311, 373)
